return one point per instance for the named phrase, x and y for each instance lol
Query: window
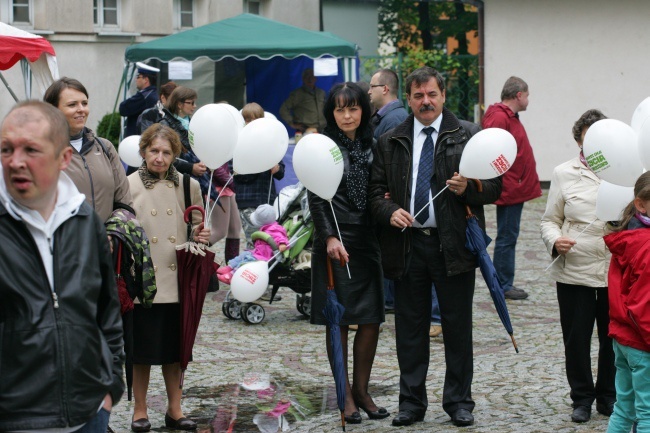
(186, 13)
(106, 13)
(253, 7)
(20, 11)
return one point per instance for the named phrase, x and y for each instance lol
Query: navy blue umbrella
(333, 312)
(477, 242)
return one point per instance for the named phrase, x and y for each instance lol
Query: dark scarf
(357, 178)
(149, 179)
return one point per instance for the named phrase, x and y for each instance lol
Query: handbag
(126, 303)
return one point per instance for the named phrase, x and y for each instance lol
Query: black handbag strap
(188, 202)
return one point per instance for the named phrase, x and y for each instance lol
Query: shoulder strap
(188, 201)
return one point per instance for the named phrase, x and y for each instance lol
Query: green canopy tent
(253, 58)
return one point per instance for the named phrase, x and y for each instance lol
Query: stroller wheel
(252, 313)
(306, 305)
(224, 309)
(299, 301)
(233, 308)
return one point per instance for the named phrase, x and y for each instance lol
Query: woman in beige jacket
(571, 229)
(159, 201)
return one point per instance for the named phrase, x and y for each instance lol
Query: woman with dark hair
(581, 276)
(95, 168)
(347, 111)
(159, 198)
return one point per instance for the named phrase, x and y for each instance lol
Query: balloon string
(268, 199)
(220, 194)
(340, 237)
(427, 205)
(206, 217)
(575, 239)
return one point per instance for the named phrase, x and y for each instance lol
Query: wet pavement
(285, 355)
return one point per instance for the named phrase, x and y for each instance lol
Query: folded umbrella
(194, 272)
(477, 242)
(333, 312)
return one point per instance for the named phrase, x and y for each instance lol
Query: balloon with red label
(488, 154)
(250, 280)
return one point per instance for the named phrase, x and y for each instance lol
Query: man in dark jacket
(520, 182)
(411, 163)
(60, 327)
(146, 97)
(383, 97)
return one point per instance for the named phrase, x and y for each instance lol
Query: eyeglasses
(190, 102)
(377, 85)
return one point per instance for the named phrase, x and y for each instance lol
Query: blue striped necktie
(425, 173)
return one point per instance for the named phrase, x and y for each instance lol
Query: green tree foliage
(109, 128)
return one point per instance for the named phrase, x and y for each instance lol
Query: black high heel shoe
(380, 413)
(355, 418)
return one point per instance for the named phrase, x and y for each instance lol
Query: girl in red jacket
(629, 312)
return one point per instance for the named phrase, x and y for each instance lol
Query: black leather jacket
(391, 172)
(345, 213)
(57, 364)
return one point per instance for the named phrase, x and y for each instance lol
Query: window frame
(10, 13)
(178, 15)
(99, 12)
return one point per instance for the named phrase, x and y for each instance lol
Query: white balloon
(612, 200)
(611, 150)
(644, 145)
(318, 164)
(268, 115)
(249, 281)
(260, 146)
(236, 114)
(488, 154)
(213, 134)
(641, 114)
(129, 151)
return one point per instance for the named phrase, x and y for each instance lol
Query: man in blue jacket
(60, 326)
(146, 97)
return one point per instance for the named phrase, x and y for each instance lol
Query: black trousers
(426, 265)
(580, 308)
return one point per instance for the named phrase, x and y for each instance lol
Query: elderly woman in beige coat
(159, 201)
(571, 229)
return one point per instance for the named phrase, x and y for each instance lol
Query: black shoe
(141, 425)
(516, 294)
(605, 408)
(355, 418)
(380, 413)
(406, 417)
(179, 424)
(581, 414)
(462, 418)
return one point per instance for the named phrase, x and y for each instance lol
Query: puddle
(261, 404)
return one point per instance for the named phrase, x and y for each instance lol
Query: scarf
(149, 179)
(583, 159)
(357, 178)
(645, 220)
(185, 121)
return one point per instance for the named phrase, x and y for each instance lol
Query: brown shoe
(435, 330)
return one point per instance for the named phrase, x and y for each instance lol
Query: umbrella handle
(188, 212)
(330, 274)
(479, 188)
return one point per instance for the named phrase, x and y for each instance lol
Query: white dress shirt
(418, 143)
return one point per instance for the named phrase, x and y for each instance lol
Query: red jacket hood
(629, 288)
(521, 182)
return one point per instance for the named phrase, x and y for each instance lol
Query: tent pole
(2, 77)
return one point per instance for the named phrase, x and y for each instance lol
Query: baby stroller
(292, 268)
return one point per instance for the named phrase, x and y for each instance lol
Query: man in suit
(412, 163)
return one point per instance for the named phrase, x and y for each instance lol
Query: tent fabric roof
(16, 44)
(241, 37)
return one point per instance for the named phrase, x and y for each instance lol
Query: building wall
(574, 55)
(354, 21)
(96, 56)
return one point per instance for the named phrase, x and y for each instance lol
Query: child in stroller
(264, 219)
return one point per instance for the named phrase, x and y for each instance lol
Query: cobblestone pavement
(525, 392)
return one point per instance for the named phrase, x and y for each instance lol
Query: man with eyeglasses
(383, 97)
(146, 97)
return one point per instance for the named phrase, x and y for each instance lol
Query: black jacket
(346, 213)
(57, 364)
(391, 172)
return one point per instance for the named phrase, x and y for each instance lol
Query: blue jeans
(435, 308)
(97, 424)
(508, 221)
(632, 390)
(389, 293)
